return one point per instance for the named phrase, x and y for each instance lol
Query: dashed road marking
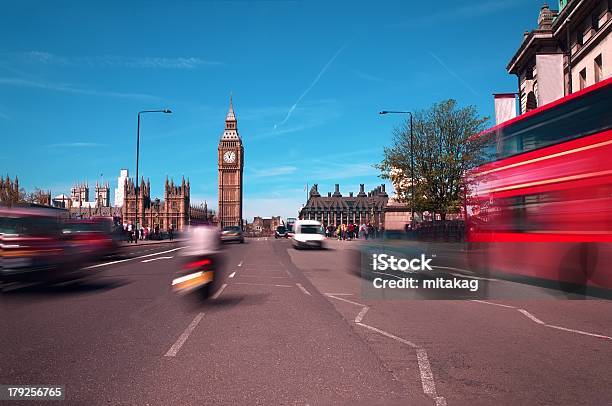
(156, 258)
(303, 289)
(240, 263)
(262, 284)
(183, 337)
(221, 289)
(131, 259)
(361, 314)
(243, 275)
(232, 274)
(538, 321)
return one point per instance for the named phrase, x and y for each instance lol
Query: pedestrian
(170, 232)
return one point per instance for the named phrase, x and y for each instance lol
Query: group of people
(146, 233)
(352, 231)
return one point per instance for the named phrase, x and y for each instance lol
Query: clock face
(229, 157)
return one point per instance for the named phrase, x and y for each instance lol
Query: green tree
(445, 149)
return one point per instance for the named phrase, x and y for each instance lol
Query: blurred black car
(281, 232)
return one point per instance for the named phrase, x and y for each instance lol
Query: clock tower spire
(230, 165)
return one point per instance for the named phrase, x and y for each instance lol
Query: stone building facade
(335, 209)
(79, 196)
(173, 210)
(264, 226)
(570, 49)
(9, 191)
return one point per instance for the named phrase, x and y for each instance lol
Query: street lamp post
(411, 161)
(137, 158)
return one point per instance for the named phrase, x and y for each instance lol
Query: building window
(580, 37)
(583, 79)
(598, 73)
(595, 21)
(532, 102)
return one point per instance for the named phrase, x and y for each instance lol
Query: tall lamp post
(137, 158)
(411, 161)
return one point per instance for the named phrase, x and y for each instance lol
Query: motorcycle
(202, 263)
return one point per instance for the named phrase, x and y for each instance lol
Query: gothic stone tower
(102, 194)
(176, 201)
(231, 164)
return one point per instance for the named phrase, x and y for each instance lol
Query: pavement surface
(293, 327)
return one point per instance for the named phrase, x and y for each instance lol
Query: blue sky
(308, 80)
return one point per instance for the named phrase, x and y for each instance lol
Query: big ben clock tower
(231, 164)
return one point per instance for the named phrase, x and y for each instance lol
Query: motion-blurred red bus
(542, 205)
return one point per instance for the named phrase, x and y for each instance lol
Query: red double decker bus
(542, 206)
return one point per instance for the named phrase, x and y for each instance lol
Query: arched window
(532, 103)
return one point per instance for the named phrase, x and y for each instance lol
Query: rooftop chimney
(361, 191)
(337, 191)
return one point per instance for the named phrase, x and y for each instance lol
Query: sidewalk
(150, 242)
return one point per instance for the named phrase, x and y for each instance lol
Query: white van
(308, 234)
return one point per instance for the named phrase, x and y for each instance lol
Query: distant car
(93, 238)
(308, 234)
(232, 234)
(281, 232)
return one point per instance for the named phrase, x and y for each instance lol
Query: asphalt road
(293, 327)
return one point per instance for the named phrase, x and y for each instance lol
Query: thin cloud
(453, 73)
(63, 87)
(366, 76)
(114, 61)
(273, 171)
(314, 82)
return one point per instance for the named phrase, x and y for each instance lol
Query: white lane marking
(427, 379)
(493, 304)
(530, 316)
(131, 259)
(579, 332)
(221, 289)
(156, 258)
(303, 289)
(396, 338)
(538, 321)
(232, 274)
(240, 264)
(361, 314)
(346, 300)
(262, 284)
(183, 337)
(263, 276)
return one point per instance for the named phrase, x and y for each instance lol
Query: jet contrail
(453, 74)
(314, 82)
